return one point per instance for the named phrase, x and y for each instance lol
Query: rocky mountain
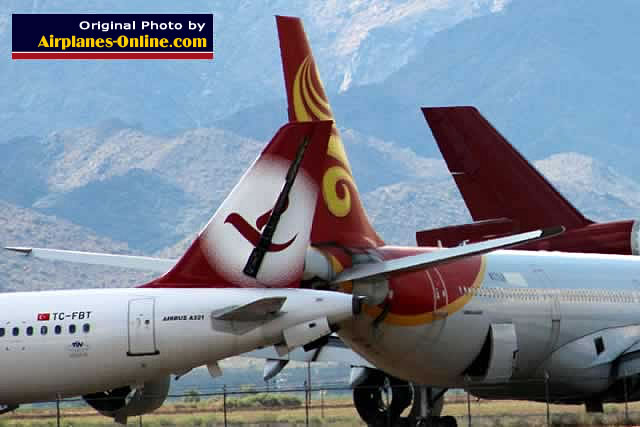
(95, 155)
(356, 42)
(601, 192)
(552, 76)
(597, 190)
(123, 183)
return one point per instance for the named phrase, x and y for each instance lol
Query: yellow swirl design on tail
(309, 103)
(338, 206)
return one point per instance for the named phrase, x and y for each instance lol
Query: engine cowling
(124, 402)
(317, 266)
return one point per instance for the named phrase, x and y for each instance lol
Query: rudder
(340, 217)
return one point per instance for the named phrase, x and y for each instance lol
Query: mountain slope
(356, 42)
(552, 76)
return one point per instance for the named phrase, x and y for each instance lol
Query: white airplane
(504, 324)
(118, 347)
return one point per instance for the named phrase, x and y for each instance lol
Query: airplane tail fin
(340, 217)
(496, 182)
(259, 235)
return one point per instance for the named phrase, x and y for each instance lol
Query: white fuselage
(552, 300)
(94, 340)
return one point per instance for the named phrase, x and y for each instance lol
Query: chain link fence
(315, 403)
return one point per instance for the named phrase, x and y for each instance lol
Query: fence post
(322, 403)
(546, 393)
(224, 403)
(467, 380)
(306, 402)
(626, 402)
(469, 407)
(58, 409)
(309, 380)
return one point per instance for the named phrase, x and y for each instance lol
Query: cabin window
(599, 343)
(57, 329)
(72, 329)
(15, 332)
(43, 330)
(86, 328)
(30, 331)
(1, 332)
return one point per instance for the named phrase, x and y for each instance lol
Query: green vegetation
(265, 400)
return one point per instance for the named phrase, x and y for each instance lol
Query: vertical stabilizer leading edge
(340, 218)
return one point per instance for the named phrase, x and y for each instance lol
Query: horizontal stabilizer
(261, 310)
(455, 235)
(135, 262)
(443, 256)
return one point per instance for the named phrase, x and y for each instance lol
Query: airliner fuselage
(69, 343)
(499, 320)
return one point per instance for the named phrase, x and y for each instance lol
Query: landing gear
(380, 399)
(7, 408)
(594, 405)
(427, 407)
(447, 421)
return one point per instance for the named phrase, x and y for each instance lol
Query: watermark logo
(112, 36)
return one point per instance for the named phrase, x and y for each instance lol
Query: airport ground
(329, 411)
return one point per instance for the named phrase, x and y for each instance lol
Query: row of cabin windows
(526, 294)
(44, 330)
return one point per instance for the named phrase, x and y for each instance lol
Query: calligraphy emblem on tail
(252, 235)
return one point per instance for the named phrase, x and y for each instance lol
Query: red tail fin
(494, 179)
(219, 254)
(340, 217)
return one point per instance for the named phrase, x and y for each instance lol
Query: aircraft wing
(442, 256)
(135, 262)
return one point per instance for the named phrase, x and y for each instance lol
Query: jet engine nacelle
(126, 402)
(317, 266)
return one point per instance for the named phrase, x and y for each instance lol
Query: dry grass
(337, 412)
